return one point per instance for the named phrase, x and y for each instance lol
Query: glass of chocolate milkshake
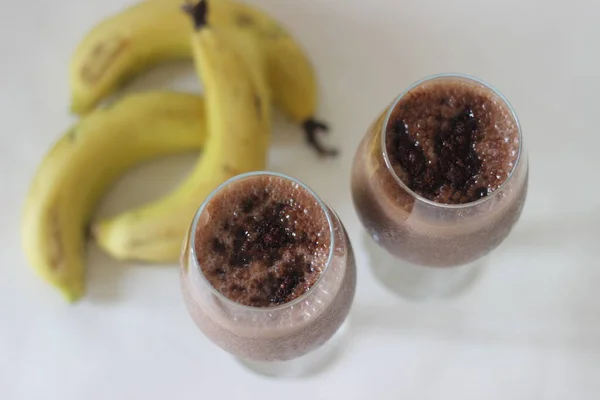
(438, 181)
(268, 274)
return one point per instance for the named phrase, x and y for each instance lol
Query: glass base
(417, 282)
(304, 366)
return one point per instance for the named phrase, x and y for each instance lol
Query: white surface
(529, 330)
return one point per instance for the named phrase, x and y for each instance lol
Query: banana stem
(311, 128)
(198, 11)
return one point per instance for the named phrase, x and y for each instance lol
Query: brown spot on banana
(101, 57)
(258, 106)
(72, 135)
(244, 20)
(88, 232)
(55, 250)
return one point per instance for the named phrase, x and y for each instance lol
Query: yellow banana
(238, 119)
(120, 47)
(157, 30)
(81, 166)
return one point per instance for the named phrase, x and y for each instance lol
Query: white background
(529, 330)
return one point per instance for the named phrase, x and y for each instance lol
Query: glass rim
(417, 196)
(221, 296)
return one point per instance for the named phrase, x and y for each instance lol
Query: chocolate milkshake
(269, 274)
(441, 177)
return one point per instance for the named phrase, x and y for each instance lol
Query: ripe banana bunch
(231, 67)
(157, 30)
(245, 61)
(86, 161)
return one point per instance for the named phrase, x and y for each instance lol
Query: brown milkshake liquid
(261, 286)
(263, 245)
(449, 141)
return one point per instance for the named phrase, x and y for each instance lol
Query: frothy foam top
(452, 141)
(262, 241)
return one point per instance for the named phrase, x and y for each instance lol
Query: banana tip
(72, 294)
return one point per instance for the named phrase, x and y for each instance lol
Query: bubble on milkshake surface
(468, 137)
(267, 254)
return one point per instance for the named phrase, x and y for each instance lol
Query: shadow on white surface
(418, 283)
(538, 291)
(106, 279)
(453, 325)
(178, 76)
(553, 233)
